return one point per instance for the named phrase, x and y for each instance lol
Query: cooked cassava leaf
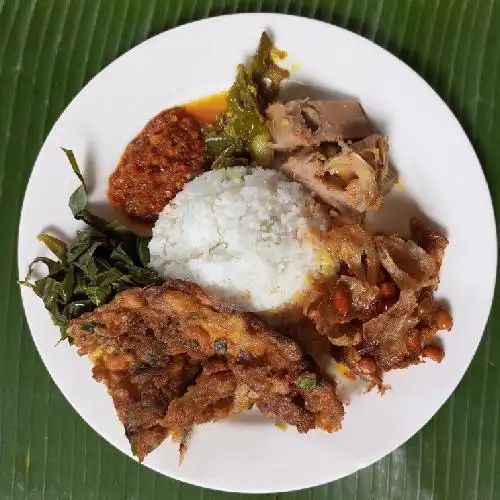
(142, 249)
(54, 267)
(104, 258)
(56, 246)
(241, 131)
(78, 204)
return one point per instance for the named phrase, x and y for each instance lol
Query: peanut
(433, 352)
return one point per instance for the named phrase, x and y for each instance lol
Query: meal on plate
(260, 270)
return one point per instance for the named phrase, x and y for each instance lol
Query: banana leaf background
(49, 49)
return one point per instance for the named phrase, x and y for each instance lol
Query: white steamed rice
(239, 233)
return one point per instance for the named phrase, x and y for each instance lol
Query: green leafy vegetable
(90, 326)
(57, 247)
(306, 382)
(242, 131)
(104, 259)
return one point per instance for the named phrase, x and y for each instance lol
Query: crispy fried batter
(434, 242)
(352, 245)
(409, 265)
(166, 154)
(297, 398)
(244, 362)
(211, 398)
(391, 310)
(141, 393)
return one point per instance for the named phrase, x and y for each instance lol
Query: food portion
(379, 309)
(172, 357)
(352, 178)
(104, 259)
(241, 233)
(154, 167)
(309, 123)
(240, 135)
(260, 214)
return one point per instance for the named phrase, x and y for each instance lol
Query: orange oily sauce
(206, 109)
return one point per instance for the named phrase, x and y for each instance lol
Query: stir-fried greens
(241, 133)
(104, 259)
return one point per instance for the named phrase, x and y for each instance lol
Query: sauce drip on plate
(206, 109)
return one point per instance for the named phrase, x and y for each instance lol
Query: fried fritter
(243, 362)
(142, 392)
(434, 242)
(215, 395)
(166, 154)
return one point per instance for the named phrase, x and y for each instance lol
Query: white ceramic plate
(441, 176)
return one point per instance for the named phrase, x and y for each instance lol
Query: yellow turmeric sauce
(278, 55)
(206, 109)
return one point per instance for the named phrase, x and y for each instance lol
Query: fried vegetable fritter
(225, 361)
(141, 393)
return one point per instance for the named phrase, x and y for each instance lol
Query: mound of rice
(239, 233)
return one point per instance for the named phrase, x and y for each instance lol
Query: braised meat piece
(154, 167)
(242, 362)
(352, 180)
(309, 123)
(307, 167)
(374, 149)
(350, 176)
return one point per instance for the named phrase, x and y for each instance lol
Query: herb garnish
(306, 382)
(90, 326)
(220, 345)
